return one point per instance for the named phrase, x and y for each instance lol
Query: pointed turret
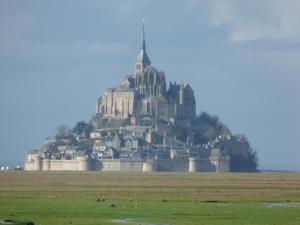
(181, 94)
(148, 80)
(143, 59)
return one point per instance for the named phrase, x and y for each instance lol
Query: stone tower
(143, 60)
(144, 94)
(148, 80)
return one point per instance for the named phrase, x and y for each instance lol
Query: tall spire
(143, 60)
(143, 37)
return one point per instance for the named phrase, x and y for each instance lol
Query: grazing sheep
(9, 221)
(131, 199)
(112, 205)
(163, 200)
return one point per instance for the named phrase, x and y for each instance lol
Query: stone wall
(87, 165)
(52, 165)
(107, 165)
(63, 165)
(212, 164)
(132, 166)
(119, 165)
(220, 164)
(204, 165)
(29, 166)
(175, 165)
(117, 104)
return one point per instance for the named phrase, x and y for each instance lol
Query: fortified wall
(134, 129)
(212, 164)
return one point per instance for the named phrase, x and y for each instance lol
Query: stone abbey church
(132, 130)
(145, 94)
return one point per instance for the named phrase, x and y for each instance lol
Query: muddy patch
(133, 221)
(285, 204)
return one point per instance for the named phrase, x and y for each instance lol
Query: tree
(205, 128)
(79, 127)
(63, 132)
(242, 156)
(82, 128)
(88, 129)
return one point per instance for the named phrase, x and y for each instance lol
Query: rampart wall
(131, 165)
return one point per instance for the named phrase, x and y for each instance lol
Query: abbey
(145, 94)
(135, 128)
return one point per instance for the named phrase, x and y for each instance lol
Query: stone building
(117, 103)
(147, 143)
(145, 94)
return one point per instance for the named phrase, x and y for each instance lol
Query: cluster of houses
(134, 144)
(138, 142)
(147, 143)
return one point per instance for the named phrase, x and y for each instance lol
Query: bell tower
(143, 60)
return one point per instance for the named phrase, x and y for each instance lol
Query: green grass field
(202, 198)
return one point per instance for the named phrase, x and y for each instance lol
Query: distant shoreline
(279, 171)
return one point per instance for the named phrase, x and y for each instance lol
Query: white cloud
(253, 20)
(192, 4)
(123, 11)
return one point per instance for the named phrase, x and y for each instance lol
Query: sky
(242, 58)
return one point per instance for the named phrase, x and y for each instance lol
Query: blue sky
(241, 57)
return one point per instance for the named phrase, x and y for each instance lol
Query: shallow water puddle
(132, 221)
(285, 204)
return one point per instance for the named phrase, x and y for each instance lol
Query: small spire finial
(143, 36)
